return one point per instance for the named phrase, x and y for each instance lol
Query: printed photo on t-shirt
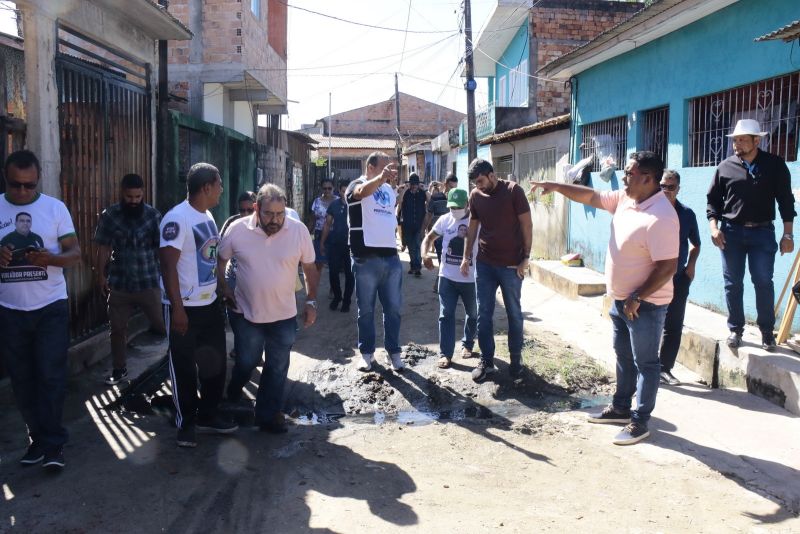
(206, 242)
(22, 240)
(455, 248)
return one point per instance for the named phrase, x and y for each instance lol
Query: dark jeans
(274, 341)
(488, 279)
(673, 323)
(449, 291)
(34, 349)
(198, 355)
(636, 345)
(438, 246)
(379, 277)
(339, 260)
(758, 246)
(413, 239)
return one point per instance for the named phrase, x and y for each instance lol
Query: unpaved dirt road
(423, 451)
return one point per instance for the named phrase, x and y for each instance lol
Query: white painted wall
(242, 118)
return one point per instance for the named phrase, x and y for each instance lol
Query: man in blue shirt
(333, 245)
(687, 259)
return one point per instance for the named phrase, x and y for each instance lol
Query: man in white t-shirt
(195, 321)
(268, 246)
(34, 316)
(452, 228)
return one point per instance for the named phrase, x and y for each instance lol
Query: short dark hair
(343, 183)
(375, 157)
(22, 159)
(132, 181)
(20, 214)
(451, 178)
(324, 180)
(247, 196)
(478, 167)
(650, 162)
(671, 173)
(199, 176)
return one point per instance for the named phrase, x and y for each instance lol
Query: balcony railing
(484, 124)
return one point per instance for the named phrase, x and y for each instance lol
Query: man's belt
(756, 224)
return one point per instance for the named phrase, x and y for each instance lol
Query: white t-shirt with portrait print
(41, 224)
(195, 234)
(454, 239)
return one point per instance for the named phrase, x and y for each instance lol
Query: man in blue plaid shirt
(127, 268)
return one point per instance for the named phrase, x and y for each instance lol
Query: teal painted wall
(713, 54)
(462, 164)
(516, 50)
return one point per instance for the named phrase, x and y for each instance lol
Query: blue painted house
(675, 78)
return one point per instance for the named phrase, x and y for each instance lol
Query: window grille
(655, 130)
(605, 138)
(518, 85)
(537, 166)
(504, 166)
(773, 103)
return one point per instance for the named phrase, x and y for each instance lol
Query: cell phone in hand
(19, 253)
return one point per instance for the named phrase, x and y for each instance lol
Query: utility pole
(329, 138)
(397, 123)
(470, 84)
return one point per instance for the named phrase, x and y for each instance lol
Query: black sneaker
(610, 415)
(483, 370)
(216, 425)
(34, 455)
(187, 436)
(768, 342)
(632, 433)
(515, 367)
(334, 303)
(277, 425)
(668, 379)
(734, 340)
(418, 274)
(345, 307)
(54, 459)
(117, 376)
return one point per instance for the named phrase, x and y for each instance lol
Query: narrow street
(423, 451)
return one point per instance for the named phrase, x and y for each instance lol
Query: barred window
(655, 129)
(773, 103)
(605, 138)
(537, 166)
(503, 166)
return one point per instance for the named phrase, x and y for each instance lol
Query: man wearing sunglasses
(689, 250)
(34, 316)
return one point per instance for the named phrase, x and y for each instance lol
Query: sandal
(444, 362)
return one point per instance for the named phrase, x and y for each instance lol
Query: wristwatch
(312, 303)
(635, 297)
(790, 237)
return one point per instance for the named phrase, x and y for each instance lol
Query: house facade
(642, 85)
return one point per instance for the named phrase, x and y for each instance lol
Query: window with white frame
(537, 166)
(518, 85)
(603, 139)
(655, 129)
(255, 7)
(503, 166)
(773, 103)
(501, 91)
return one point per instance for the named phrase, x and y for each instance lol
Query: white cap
(747, 127)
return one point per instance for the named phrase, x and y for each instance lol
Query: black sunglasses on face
(18, 185)
(668, 187)
(327, 189)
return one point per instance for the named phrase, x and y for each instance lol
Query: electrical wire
(405, 36)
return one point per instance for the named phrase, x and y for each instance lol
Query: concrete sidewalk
(744, 437)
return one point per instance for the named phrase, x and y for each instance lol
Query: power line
(405, 36)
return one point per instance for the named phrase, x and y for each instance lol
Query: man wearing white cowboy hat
(741, 211)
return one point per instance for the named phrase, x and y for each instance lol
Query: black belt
(756, 224)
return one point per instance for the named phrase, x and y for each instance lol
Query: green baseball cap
(456, 198)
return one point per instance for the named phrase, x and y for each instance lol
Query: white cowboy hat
(747, 127)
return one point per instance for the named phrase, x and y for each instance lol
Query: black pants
(199, 354)
(673, 324)
(339, 260)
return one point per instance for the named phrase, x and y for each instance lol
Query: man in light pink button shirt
(267, 246)
(641, 259)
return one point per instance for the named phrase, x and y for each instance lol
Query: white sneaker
(366, 363)
(397, 361)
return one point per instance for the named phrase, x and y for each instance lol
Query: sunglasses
(18, 185)
(327, 189)
(669, 187)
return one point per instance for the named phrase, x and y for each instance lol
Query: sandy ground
(503, 456)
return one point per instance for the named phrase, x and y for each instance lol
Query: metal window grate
(655, 130)
(537, 166)
(503, 166)
(605, 138)
(773, 103)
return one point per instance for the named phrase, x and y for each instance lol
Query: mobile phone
(19, 253)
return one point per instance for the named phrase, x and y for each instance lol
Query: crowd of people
(249, 272)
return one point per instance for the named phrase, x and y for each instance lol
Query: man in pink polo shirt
(267, 245)
(641, 259)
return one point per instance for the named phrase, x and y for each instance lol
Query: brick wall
(559, 26)
(418, 119)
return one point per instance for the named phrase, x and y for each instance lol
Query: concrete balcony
(494, 119)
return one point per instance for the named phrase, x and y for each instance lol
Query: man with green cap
(453, 227)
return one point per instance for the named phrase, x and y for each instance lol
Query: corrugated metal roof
(531, 130)
(353, 142)
(790, 32)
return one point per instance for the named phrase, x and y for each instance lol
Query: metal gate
(105, 130)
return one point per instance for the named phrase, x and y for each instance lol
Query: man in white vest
(376, 266)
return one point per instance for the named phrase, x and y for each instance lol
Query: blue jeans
(488, 279)
(636, 344)
(413, 239)
(274, 341)
(381, 277)
(449, 291)
(758, 245)
(34, 350)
